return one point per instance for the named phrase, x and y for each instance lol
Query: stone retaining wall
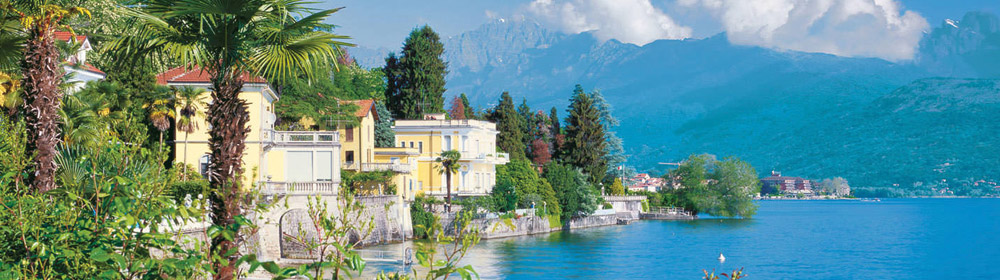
(593, 221)
(628, 203)
(390, 215)
(625, 208)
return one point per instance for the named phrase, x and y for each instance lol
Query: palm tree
(190, 100)
(230, 39)
(160, 107)
(9, 97)
(449, 165)
(80, 124)
(39, 20)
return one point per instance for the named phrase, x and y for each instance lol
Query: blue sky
(386, 23)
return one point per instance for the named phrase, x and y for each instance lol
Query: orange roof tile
(365, 106)
(65, 36)
(197, 75)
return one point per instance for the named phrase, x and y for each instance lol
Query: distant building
(80, 72)
(477, 142)
(789, 185)
(644, 182)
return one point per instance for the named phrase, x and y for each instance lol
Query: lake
(892, 239)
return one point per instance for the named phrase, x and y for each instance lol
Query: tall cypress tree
(585, 136)
(510, 140)
(556, 128)
(416, 78)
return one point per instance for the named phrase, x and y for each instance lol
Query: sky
(888, 29)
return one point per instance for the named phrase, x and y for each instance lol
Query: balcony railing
(301, 137)
(299, 187)
(491, 156)
(394, 167)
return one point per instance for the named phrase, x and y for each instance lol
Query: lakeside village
(214, 165)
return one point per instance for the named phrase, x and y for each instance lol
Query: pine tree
(527, 125)
(557, 136)
(470, 113)
(585, 146)
(385, 137)
(508, 122)
(614, 148)
(415, 80)
(457, 111)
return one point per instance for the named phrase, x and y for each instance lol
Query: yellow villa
(306, 162)
(359, 153)
(474, 139)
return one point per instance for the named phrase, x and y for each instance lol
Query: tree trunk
(185, 159)
(228, 117)
(42, 98)
(447, 199)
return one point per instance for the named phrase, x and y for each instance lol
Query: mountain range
(874, 122)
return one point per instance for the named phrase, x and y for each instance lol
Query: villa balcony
(299, 188)
(301, 138)
(498, 158)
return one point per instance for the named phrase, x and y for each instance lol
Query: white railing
(301, 137)
(669, 211)
(492, 156)
(394, 167)
(299, 187)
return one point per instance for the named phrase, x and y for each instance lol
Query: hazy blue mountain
(874, 122)
(369, 57)
(969, 47)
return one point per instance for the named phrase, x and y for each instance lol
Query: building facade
(306, 162)
(788, 185)
(358, 141)
(474, 139)
(644, 182)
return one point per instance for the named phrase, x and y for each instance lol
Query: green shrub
(178, 190)
(554, 221)
(606, 206)
(504, 196)
(423, 221)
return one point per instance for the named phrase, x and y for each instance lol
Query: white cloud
(867, 28)
(630, 21)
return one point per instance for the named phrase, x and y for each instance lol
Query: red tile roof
(364, 107)
(66, 35)
(197, 75)
(91, 68)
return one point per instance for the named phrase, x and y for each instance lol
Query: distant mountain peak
(951, 22)
(963, 48)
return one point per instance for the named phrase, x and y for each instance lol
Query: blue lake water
(892, 239)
